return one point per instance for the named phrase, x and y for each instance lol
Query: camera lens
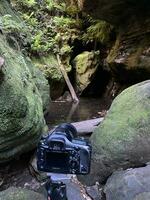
(67, 129)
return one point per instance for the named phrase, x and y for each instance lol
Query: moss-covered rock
(21, 114)
(86, 65)
(41, 82)
(21, 107)
(50, 68)
(13, 193)
(122, 140)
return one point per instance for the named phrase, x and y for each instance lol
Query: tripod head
(56, 189)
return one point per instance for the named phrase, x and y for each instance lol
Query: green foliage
(53, 5)
(16, 31)
(72, 10)
(32, 21)
(66, 49)
(64, 22)
(54, 25)
(49, 66)
(49, 24)
(27, 3)
(99, 31)
(9, 25)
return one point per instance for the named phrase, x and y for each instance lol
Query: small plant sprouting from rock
(98, 31)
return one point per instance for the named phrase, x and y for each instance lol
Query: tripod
(56, 190)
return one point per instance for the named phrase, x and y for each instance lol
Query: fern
(8, 25)
(53, 5)
(99, 31)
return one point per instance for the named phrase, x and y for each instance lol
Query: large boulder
(13, 193)
(132, 184)
(21, 106)
(18, 37)
(86, 65)
(123, 139)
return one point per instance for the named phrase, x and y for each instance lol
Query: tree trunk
(65, 75)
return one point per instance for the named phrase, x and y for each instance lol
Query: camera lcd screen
(57, 160)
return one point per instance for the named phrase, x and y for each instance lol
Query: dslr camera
(62, 152)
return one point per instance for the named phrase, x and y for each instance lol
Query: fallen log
(65, 75)
(86, 127)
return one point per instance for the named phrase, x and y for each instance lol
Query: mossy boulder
(86, 65)
(21, 106)
(18, 36)
(13, 193)
(122, 139)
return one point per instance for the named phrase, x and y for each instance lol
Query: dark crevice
(98, 85)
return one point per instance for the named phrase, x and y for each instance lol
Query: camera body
(61, 152)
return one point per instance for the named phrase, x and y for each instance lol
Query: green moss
(86, 60)
(86, 65)
(99, 30)
(26, 3)
(122, 139)
(49, 66)
(66, 49)
(121, 128)
(21, 113)
(9, 25)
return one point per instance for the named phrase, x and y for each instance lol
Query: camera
(62, 152)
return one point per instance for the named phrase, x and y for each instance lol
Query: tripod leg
(56, 190)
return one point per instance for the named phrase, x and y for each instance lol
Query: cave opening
(98, 85)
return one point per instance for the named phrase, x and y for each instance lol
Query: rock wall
(129, 58)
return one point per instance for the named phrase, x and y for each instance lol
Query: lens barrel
(67, 129)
